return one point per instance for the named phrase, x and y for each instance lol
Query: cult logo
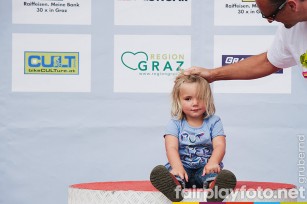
(51, 62)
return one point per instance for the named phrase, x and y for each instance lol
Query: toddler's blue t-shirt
(195, 143)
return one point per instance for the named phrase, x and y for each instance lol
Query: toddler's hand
(181, 173)
(211, 168)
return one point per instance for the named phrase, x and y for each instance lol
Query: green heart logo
(131, 60)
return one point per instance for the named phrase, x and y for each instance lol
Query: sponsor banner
(152, 12)
(230, 59)
(149, 64)
(232, 49)
(238, 13)
(52, 12)
(51, 63)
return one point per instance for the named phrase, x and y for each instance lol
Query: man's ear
(292, 5)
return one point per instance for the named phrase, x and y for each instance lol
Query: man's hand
(203, 72)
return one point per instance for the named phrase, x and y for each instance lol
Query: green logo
(153, 63)
(66, 63)
(303, 59)
(129, 59)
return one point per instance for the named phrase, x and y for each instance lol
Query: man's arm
(250, 68)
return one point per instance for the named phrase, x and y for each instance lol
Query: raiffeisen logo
(148, 64)
(231, 59)
(61, 63)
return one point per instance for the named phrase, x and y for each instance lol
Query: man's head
(288, 12)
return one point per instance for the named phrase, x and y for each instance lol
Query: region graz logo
(134, 60)
(60, 63)
(152, 62)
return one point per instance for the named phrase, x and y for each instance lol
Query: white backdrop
(104, 125)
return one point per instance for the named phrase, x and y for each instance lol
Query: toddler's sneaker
(166, 183)
(222, 186)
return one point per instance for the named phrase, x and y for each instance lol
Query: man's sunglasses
(272, 17)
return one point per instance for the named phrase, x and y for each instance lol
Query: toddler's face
(192, 106)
